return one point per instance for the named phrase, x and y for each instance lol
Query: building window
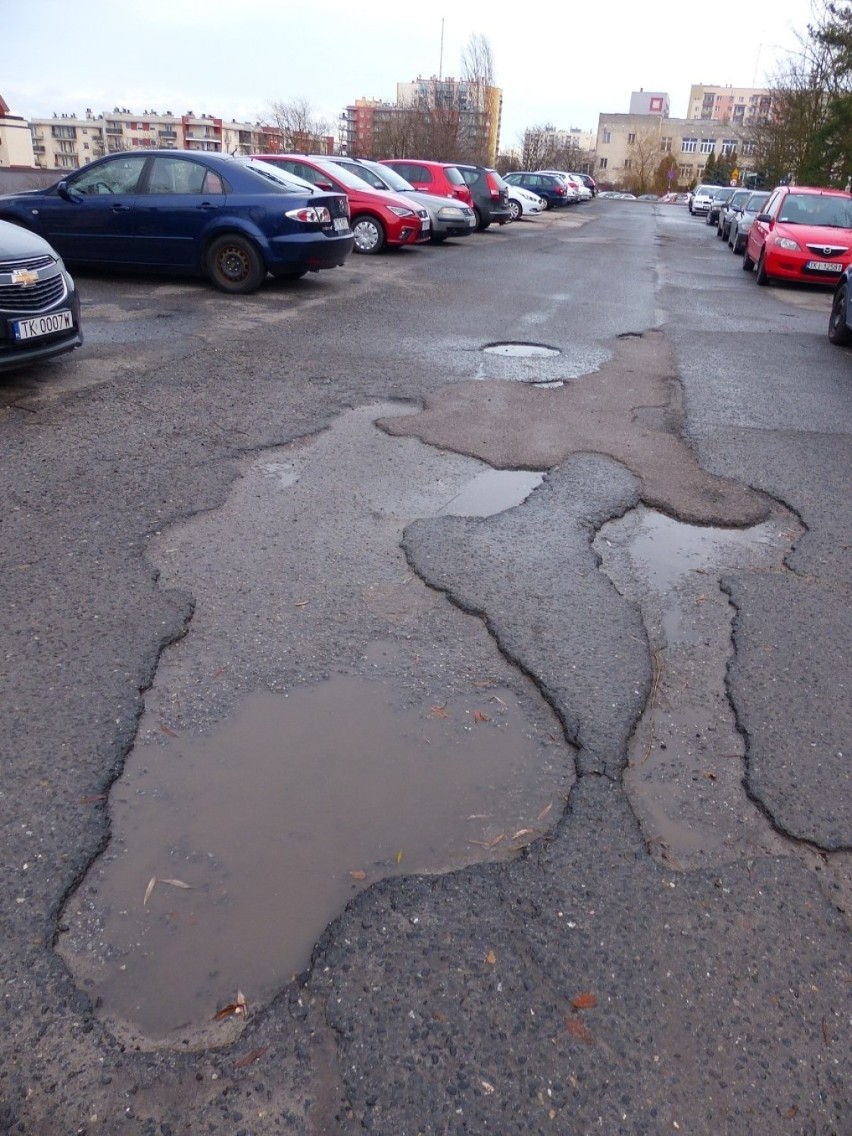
(689, 145)
(748, 148)
(729, 145)
(602, 164)
(631, 138)
(708, 145)
(628, 162)
(606, 136)
(685, 170)
(666, 145)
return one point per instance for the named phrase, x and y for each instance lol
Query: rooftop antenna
(441, 57)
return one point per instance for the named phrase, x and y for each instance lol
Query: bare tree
(477, 118)
(643, 154)
(301, 128)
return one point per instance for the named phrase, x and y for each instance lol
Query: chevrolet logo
(24, 276)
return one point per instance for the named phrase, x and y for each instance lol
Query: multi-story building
(16, 141)
(739, 106)
(627, 143)
(480, 109)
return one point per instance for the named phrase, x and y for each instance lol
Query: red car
(441, 178)
(377, 217)
(803, 234)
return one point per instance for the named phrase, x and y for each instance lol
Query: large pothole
(327, 720)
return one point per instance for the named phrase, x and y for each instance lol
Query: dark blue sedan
(230, 219)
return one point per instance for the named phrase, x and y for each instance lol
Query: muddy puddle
(686, 755)
(327, 720)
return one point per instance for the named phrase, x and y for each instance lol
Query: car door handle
(207, 205)
(121, 208)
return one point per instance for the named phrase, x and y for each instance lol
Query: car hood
(17, 243)
(431, 201)
(823, 235)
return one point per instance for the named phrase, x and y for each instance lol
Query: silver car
(742, 221)
(449, 217)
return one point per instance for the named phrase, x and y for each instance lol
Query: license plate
(42, 325)
(341, 224)
(823, 266)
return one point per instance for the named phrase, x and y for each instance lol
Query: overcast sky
(559, 62)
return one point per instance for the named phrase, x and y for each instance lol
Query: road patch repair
(606, 975)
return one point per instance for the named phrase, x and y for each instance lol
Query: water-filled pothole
(277, 817)
(686, 754)
(440, 754)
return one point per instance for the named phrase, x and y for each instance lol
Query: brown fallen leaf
(93, 800)
(358, 875)
(792, 1112)
(478, 716)
(167, 730)
(233, 1008)
(544, 811)
(252, 1056)
(585, 1002)
(523, 832)
(399, 856)
(578, 1029)
(149, 889)
(489, 843)
(218, 672)
(491, 958)
(826, 1033)
(175, 884)
(438, 712)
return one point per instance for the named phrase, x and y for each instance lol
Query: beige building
(628, 144)
(483, 118)
(16, 143)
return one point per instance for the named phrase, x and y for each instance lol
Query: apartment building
(624, 141)
(739, 106)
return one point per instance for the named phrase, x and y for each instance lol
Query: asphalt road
(619, 970)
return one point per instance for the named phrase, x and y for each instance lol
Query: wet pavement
(212, 558)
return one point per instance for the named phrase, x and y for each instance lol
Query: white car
(523, 202)
(583, 190)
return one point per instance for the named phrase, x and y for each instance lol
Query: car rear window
(454, 175)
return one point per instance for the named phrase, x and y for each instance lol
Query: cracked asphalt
(586, 984)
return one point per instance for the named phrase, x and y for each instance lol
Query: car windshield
(756, 202)
(288, 183)
(815, 209)
(371, 177)
(350, 180)
(389, 177)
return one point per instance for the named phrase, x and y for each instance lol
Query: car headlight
(450, 213)
(399, 211)
(787, 243)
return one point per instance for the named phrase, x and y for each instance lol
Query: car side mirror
(64, 192)
(326, 185)
(765, 217)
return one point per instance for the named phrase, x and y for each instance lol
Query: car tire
(369, 234)
(546, 204)
(748, 263)
(516, 209)
(481, 223)
(762, 277)
(838, 329)
(234, 264)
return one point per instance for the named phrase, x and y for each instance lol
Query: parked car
(181, 210)
(522, 202)
(701, 197)
(742, 220)
(729, 210)
(675, 199)
(840, 320)
(550, 188)
(378, 218)
(804, 233)
(589, 182)
(572, 187)
(39, 305)
(722, 196)
(448, 216)
(584, 193)
(490, 195)
(442, 178)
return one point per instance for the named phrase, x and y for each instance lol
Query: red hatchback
(803, 234)
(441, 178)
(377, 217)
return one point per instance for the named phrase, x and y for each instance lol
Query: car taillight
(560, 190)
(310, 215)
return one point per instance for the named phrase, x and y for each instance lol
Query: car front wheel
(748, 263)
(838, 327)
(234, 264)
(516, 210)
(369, 235)
(762, 275)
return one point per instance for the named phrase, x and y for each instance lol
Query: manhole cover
(521, 350)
